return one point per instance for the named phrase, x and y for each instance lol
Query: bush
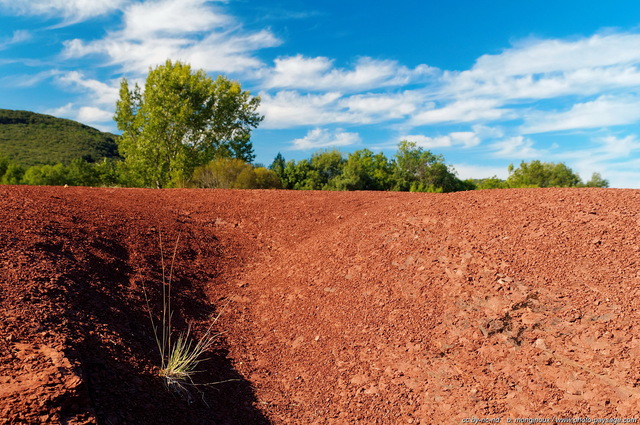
(231, 173)
(266, 179)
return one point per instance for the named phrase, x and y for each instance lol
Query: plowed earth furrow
(342, 308)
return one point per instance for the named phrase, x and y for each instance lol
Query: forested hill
(28, 138)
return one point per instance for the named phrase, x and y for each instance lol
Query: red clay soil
(341, 308)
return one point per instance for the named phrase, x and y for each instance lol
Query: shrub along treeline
(411, 169)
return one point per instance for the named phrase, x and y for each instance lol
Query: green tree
(542, 174)
(419, 170)
(13, 174)
(318, 173)
(107, 172)
(326, 167)
(82, 173)
(597, 181)
(365, 170)
(278, 165)
(183, 119)
(45, 175)
(295, 175)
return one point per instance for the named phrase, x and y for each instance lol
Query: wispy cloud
(89, 115)
(471, 110)
(318, 73)
(518, 148)
(551, 56)
(319, 138)
(381, 107)
(614, 157)
(465, 139)
(19, 36)
(539, 70)
(100, 93)
(604, 111)
(288, 109)
(70, 10)
(98, 109)
(190, 30)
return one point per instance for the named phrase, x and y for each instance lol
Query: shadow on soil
(112, 336)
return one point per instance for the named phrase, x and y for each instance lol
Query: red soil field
(341, 307)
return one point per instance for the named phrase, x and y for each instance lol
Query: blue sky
(485, 83)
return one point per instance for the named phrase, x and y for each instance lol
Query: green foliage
(13, 174)
(4, 163)
(318, 173)
(278, 165)
(597, 181)
(417, 170)
(326, 167)
(365, 171)
(182, 120)
(46, 175)
(413, 170)
(490, 183)
(266, 179)
(233, 173)
(29, 139)
(542, 174)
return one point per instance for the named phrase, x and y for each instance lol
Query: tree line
(411, 169)
(185, 129)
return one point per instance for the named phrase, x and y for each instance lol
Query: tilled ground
(336, 308)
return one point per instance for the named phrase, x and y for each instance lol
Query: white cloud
(191, 31)
(621, 175)
(615, 147)
(71, 10)
(318, 73)
(101, 93)
(62, 111)
(603, 150)
(322, 138)
(615, 158)
(550, 56)
(540, 70)
(605, 111)
(472, 171)
(171, 17)
(18, 80)
(463, 111)
(90, 115)
(584, 82)
(98, 103)
(428, 142)
(288, 109)
(466, 139)
(19, 36)
(387, 106)
(517, 147)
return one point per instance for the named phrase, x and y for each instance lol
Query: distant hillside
(31, 139)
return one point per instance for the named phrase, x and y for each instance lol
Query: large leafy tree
(419, 170)
(181, 120)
